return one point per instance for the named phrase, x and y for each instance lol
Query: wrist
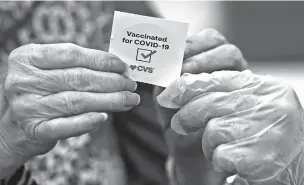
(9, 160)
(8, 164)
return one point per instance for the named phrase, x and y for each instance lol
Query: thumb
(163, 115)
(62, 128)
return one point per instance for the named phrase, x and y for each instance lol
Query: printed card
(153, 48)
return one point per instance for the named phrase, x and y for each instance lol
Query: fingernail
(165, 100)
(135, 86)
(130, 85)
(104, 116)
(131, 99)
(176, 126)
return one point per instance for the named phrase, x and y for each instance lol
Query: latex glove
(57, 91)
(252, 125)
(206, 51)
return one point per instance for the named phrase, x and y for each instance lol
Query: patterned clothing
(127, 150)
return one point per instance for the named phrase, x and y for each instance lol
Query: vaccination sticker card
(153, 48)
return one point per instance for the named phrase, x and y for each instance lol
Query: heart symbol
(132, 67)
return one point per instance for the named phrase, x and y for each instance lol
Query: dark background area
(269, 31)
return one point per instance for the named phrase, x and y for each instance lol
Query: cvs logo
(142, 68)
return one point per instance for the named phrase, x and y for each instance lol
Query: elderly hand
(252, 125)
(56, 91)
(205, 52)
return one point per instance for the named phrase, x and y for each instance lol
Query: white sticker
(152, 48)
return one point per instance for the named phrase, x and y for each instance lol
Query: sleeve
(20, 177)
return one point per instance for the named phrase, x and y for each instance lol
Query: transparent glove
(252, 125)
(205, 52)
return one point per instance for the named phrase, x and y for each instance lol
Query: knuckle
(72, 52)
(120, 82)
(216, 35)
(74, 102)
(235, 55)
(11, 83)
(289, 90)
(22, 53)
(211, 128)
(219, 152)
(76, 79)
(67, 52)
(34, 52)
(47, 128)
(21, 106)
(285, 104)
(118, 100)
(100, 60)
(122, 99)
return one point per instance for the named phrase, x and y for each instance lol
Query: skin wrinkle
(57, 82)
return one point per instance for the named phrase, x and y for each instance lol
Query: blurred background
(270, 34)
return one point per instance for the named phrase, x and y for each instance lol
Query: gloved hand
(56, 91)
(252, 125)
(206, 51)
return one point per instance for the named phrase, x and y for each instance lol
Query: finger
(189, 86)
(70, 103)
(239, 125)
(77, 79)
(247, 160)
(73, 103)
(163, 115)
(60, 56)
(196, 114)
(62, 128)
(234, 127)
(262, 155)
(203, 41)
(224, 57)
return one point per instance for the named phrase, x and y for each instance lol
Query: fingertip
(117, 65)
(131, 99)
(121, 67)
(104, 117)
(164, 100)
(135, 86)
(176, 126)
(189, 67)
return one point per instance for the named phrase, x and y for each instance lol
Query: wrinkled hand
(252, 125)
(206, 52)
(57, 91)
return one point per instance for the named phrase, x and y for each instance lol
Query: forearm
(8, 162)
